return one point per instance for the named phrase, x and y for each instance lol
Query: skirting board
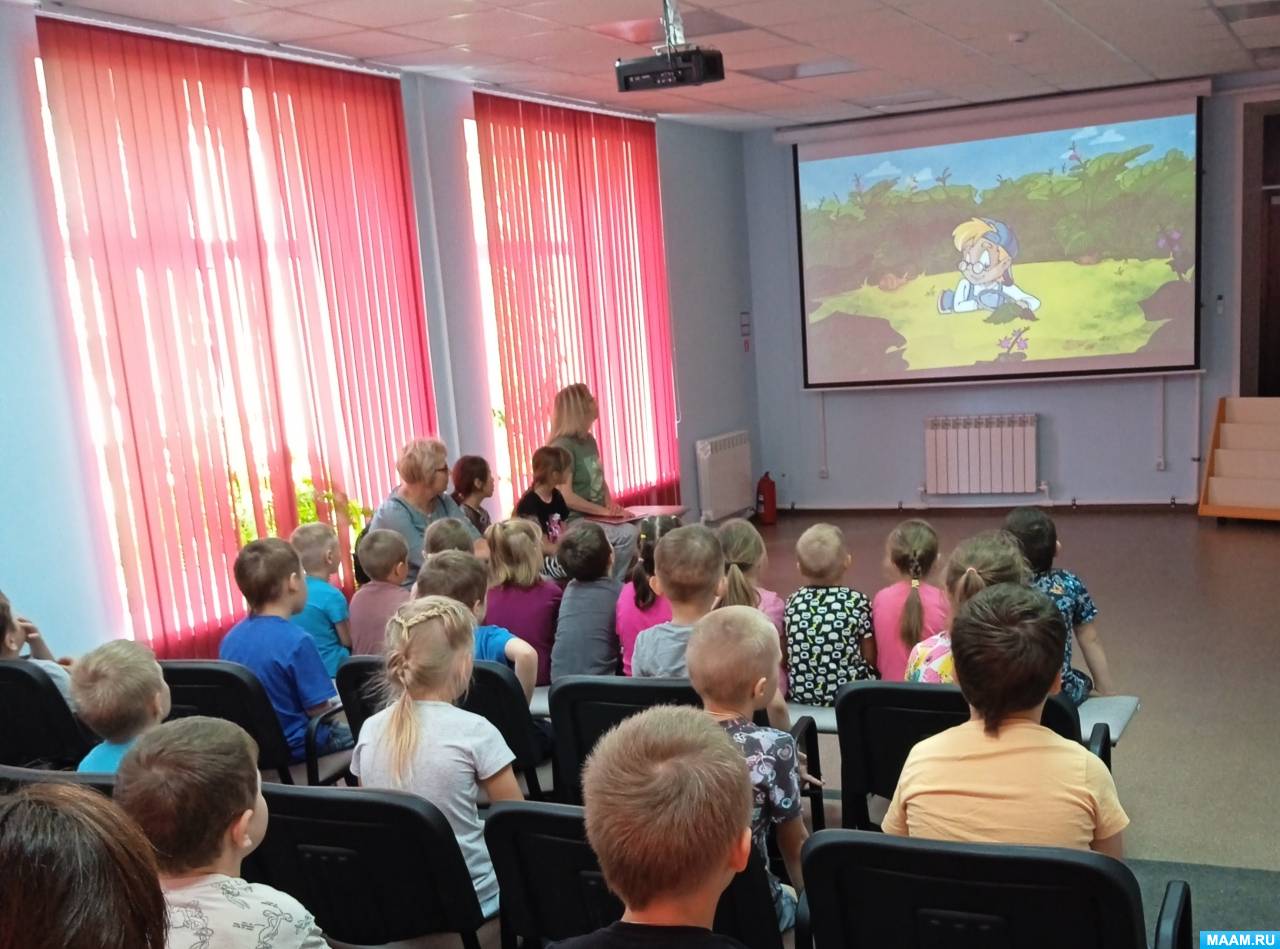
(1031, 500)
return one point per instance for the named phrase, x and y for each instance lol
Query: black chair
(373, 866)
(552, 887)
(231, 691)
(868, 890)
(359, 682)
(496, 694)
(878, 724)
(39, 728)
(13, 778)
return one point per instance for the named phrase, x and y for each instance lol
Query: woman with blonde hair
(520, 600)
(586, 491)
(421, 499)
(424, 744)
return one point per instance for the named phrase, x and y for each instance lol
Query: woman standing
(421, 499)
(586, 491)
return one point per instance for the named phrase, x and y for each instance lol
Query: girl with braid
(909, 610)
(424, 744)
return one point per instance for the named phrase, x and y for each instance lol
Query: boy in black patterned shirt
(829, 636)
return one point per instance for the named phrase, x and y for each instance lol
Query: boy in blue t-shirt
(326, 616)
(278, 651)
(465, 578)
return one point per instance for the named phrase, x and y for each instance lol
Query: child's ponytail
(913, 548)
(985, 559)
(652, 530)
(429, 647)
(743, 552)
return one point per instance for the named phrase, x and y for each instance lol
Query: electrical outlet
(824, 473)
(1161, 464)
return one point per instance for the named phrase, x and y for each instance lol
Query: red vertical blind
(574, 227)
(245, 294)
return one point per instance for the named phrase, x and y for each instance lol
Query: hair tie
(915, 583)
(972, 570)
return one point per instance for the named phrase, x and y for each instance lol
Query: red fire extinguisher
(767, 501)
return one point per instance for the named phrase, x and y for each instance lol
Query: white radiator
(980, 454)
(725, 487)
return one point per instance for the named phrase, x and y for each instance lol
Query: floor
(1188, 626)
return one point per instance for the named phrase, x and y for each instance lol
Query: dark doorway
(1269, 308)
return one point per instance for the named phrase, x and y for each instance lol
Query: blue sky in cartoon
(978, 162)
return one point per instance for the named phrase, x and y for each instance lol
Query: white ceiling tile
(166, 11)
(590, 12)
(739, 41)
(775, 12)
(463, 28)
(453, 57)
(278, 26)
(370, 44)
(792, 54)
(377, 14)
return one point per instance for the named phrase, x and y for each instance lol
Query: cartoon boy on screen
(987, 249)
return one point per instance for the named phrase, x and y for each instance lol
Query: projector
(689, 66)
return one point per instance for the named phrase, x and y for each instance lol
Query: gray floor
(1221, 897)
(1188, 620)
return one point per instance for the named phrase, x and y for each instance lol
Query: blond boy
(119, 692)
(733, 662)
(668, 813)
(689, 567)
(326, 617)
(829, 636)
(384, 556)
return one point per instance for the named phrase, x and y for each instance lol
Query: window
(573, 236)
(246, 304)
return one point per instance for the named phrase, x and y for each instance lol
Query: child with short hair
(472, 486)
(909, 610)
(668, 812)
(586, 643)
(544, 503)
(465, 578)
(448, 533)
(18, 631)
(423, 743)
(1002, 777)
(690, 574)
(326, 617)
(745, 554)
(829, 636)
(120, 692)
(278, 651)
(1037, 534)
(981, 561)
(639, 607)
(384, 556)
(519, 598)
(193, 787)
(733, 664)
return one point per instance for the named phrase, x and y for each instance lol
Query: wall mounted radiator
(725, 486)
(980, 454)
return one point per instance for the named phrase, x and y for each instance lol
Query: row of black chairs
(379, 866)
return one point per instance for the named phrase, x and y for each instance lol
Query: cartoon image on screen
(1058, 251)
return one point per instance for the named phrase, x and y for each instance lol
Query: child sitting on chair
(193, 787)
(733, 665)
(120, 693)
(326, 615)
(1002, 777)
(18, 631)
(586, 641)
(384, 556)
(519, 598)
(668, 813)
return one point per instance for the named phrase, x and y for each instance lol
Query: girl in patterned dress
(982, 560)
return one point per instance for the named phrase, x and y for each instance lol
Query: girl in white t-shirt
(423, 743)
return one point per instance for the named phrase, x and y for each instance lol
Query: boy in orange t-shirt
(1002, 777)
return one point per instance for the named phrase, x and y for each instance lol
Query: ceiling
(788, 62)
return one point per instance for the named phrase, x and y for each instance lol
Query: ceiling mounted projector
(675, 64)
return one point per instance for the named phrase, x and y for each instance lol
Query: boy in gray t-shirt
(689, 567)
(586, 639)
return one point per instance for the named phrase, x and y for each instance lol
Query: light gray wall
(51, 557)
(708, 278)
(1100, 439)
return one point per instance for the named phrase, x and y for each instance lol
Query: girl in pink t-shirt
(638, 606)
(910, 610)
(745, 557)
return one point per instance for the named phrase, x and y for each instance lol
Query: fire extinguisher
(767, 501)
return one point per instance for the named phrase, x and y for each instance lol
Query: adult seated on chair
(1002, 777)
(421, 499)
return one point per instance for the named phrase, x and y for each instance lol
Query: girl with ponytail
(981, 561)
(745, 558)
(910, 609)
(424, 744)
(639, 607)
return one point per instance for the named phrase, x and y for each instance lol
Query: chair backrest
(878, 724)
(585, 707)
(869, 890)
(39, 727)
(359, 682)
(552, 887)
(229, 691)
(13, 778)
(373, 866)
